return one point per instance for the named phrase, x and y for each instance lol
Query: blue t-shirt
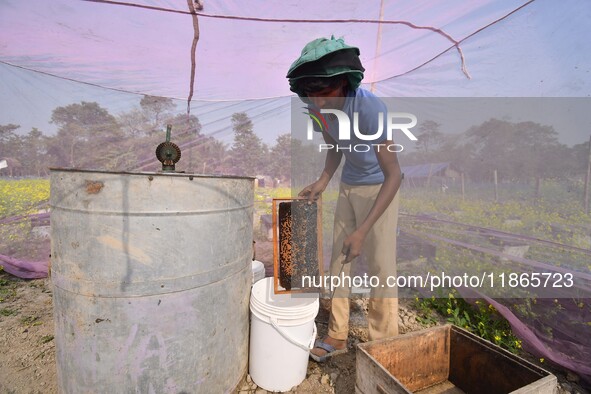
(361, 163)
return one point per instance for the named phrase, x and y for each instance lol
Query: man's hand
(312, 192)
(331, 163)
(353, 244)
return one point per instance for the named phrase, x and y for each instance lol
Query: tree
(579, 154)
(451, 149)
(34, 153)
(186, 132)
(208, 155)
(7, 132)
(307, 163)
(280, 157)
(133, 123)
(429, 137)
(11, 146)
(88, 136)
(219, 151)
(8, 140)
(519, 151)
(185, 127)
(156, 111)
(249, 154)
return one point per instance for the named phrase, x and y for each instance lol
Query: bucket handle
(285, 335)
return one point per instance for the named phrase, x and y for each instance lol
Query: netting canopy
(93, 83)
(243, 50)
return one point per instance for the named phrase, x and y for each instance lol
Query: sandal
(330, 351)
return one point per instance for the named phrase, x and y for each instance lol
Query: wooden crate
(446, 359)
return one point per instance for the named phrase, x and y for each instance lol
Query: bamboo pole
(429, 176)
(496, 187)
(587, 179)
(463, 189)
(378, 49)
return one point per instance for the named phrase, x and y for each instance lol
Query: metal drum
(151, 277)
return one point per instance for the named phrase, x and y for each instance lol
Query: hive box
(445, 359)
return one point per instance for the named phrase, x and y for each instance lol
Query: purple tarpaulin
(26, 269)
(558, 347)
(23, 268)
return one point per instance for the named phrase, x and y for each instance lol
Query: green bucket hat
(325, 58)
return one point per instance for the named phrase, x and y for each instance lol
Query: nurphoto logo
(402, 121)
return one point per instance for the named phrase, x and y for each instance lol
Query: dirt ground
(338, 374)
(27, 356)
(27, 360)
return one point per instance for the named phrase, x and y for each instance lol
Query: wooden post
(378, 49)
(587, 179)
(430, 173)
(496, 187)
(463, 190)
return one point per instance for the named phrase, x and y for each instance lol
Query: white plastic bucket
(282, 331)
(258, 271)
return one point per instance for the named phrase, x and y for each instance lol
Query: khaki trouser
(379, 249)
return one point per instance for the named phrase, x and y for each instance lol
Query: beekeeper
(327, 76)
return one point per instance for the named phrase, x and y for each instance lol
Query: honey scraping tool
(342, 259)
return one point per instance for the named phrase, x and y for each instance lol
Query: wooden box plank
(446, 359)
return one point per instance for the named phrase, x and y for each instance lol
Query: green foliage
(306, 164)
(517, 150)
(249, 154)
(7, 132)
(8, 312)
(280, 158)
(429, 137)
(520, 152)
(34, 148)
(481, 318)
(87, 137)
(263, 198)
(155, 110)
(555, 216)
(90, 137)
(29, 320)
(46, 338)
(20, 198)
(7, 286)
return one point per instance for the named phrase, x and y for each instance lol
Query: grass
(8, 312)
(7, 286)
(20, 198)
(556, 216)
(479, 318)
(30, 321)
(46, 338)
